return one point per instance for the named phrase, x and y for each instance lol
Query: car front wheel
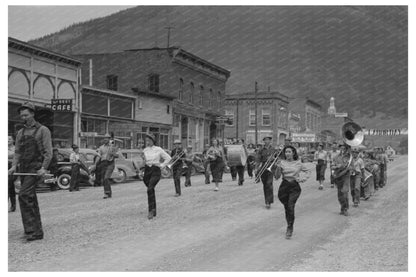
(122, 176)
(64, 181)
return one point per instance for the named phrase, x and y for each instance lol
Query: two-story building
(38, 75)
(272, 116)
(179, 95)
(310, 120)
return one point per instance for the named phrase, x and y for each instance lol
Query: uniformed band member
(289, 191)
(357, 177)
(332, 155)
(267, 177)
(177, 166)
(33, 153)
(11, 178)
(107, 153)
(341, 166)
(207, 169)
(238, 169)
(156, 158)
(321, 157)
(75, 162)
(217, 162)
(251, 159)
(188, 159)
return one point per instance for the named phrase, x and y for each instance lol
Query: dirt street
(204, 230)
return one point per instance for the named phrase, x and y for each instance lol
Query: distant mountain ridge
(356, 54)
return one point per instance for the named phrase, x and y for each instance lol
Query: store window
(121, 108)
(93, 125)
(180, 96)
(230, 115)
(94, 104)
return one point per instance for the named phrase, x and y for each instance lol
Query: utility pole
(169, 27)
(255, 112)
(236, 122)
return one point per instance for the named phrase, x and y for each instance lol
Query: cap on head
(267, 137)
(27, 105)
(74, 146)
(152, 137)
(189, 146)
(177, 141)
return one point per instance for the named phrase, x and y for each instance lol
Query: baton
(32, 174)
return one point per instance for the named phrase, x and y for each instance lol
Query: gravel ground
(203, 230)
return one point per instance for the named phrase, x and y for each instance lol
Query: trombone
(176, 158)
(268, 165)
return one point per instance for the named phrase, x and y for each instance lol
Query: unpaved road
(203, 230)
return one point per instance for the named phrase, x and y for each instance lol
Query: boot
(289, 232)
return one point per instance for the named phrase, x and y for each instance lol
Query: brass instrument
(268, 165)
(212, 154)
(176, 158)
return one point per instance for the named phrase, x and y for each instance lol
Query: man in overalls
(33, 153)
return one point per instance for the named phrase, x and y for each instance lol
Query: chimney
(90, 78)
(331, 109)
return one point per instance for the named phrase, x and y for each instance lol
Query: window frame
(154, 82)
(263, 114)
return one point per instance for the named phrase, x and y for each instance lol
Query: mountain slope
(356, 54)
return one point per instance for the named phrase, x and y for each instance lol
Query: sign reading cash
(61, 105)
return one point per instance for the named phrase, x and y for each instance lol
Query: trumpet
(268, 165)
(176, 158)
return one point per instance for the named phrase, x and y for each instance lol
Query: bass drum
(236, 154)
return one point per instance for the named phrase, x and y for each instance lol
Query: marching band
(348, 170)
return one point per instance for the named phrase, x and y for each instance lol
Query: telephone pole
(255, 111)
(169, 27)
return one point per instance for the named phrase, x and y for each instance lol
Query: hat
(176, 141)
(152, 137)
(321, 144)
(269, 137)
(27, 105)
(189, 146)
(74, 146)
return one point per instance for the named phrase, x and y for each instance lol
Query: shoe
(107, 196)
(332, 186)
(355, 205)
(178, 194)
(346, 213)
(366, 198)
(289, 232)
(321, 187)
(268, 205)
(233, 179)
(207, 183)
(12, 209)
(150, 215)
(154, 212)
(34, 237)
(216, 189)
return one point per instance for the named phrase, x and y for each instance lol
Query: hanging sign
(61, 105)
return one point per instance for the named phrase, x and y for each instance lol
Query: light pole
(255, 111)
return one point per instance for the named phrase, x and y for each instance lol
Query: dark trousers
(177, 173)
(98, 174)
(238, 169)
(320, 170)
(107, 169)
(288, 194)
(355, 186)
(12, 191)
(267, 180)
(343, 185)
(217, 170)
(382, 176)
(74, 177)
(188, 173)
(151, 178)
(207, 172)
(29, 206)
(250, 166)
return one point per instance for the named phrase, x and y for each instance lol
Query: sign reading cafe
(61, 105)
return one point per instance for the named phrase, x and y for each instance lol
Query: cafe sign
(61, 105)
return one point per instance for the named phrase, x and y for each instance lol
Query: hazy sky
(30, 22)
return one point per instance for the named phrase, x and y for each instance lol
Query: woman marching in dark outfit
(289, 191)
(153, 155)
(217, 162)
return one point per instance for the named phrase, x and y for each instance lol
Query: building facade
(179, 94)
(310, 123)
(38, 75)
(272, 117)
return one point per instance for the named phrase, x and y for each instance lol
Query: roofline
(262, 95)
(106, 91)
(33, 49)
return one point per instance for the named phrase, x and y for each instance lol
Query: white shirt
(154, 154)
(74, 158)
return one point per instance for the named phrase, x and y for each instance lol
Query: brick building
(272, 116)
(179, 95)
(38, 75)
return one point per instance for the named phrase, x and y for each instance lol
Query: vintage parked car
(124, 168)
(196, 167)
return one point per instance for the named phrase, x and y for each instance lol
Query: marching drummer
(267, 177)
(238, 168)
